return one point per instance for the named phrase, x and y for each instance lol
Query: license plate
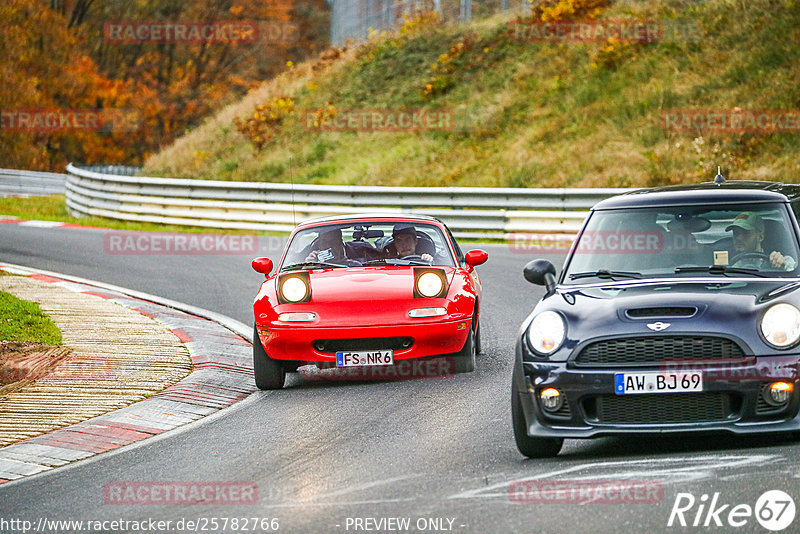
(632, 383)
(364, 357)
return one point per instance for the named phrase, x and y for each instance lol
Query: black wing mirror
(541, 273)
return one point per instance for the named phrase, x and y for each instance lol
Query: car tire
(530, 447)
(478, 348)
(269, 373)
(465, 358)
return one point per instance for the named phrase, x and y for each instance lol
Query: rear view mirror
(541, 273)
(262, 265)
(473, 258)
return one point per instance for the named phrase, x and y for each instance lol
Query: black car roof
(732, 191)
(378, 216)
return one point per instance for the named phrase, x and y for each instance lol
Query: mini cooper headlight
(294, 289)
(781, 325)
(546, 332)
(430, 284)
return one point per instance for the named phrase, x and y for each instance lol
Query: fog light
(297, 316)
(551, 399)
(779, 392)
(427, 312)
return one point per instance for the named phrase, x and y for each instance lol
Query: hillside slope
(529, 114)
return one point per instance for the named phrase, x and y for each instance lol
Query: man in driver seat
(748, 236)
(405, 243)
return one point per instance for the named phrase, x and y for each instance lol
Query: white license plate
(660, 382)
(364, 357)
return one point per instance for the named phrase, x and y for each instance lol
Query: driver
(405, 243)
(328, 246)
(748, 236)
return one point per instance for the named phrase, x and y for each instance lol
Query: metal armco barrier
(470, 212)
(31, 183)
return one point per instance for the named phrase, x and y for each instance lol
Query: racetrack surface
(324, 454)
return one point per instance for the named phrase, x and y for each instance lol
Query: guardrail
(31, 183)
(470, 212)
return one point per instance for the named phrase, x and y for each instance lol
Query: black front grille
(662, 408)
(653, 350)
(370, 343)
(661, 311)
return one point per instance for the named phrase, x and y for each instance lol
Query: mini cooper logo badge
(658, 326)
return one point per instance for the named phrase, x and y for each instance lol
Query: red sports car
(366, 290)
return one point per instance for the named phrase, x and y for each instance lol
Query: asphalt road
(349, 457)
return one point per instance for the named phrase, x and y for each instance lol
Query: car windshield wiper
(395, 261)
(720, 269)
(603, 273)
(311, 265)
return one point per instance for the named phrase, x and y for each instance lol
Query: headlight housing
(780, 325)
(546, 332)
(294, 288)
(429, 283)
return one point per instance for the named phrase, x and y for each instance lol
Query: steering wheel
(414, 257)
(746, 255)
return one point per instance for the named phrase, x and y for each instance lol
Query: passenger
(328, 248)
(748, 236)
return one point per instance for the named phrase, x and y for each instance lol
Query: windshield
(754, 239)
(366, 244)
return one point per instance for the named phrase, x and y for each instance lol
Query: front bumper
(735, 398)
(297, 343)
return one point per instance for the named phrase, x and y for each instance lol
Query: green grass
(544, 114)
(21, 320)
(53, 208)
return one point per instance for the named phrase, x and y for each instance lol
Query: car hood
(716, 306)
(384, 283)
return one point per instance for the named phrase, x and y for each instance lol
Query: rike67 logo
(774, 510)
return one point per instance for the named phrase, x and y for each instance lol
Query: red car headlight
(294, 287)
(429, 283)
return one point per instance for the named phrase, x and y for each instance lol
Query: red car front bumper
(296, 343)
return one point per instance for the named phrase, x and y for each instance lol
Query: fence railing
(15, 182)
(470, 212)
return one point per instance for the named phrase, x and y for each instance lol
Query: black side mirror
(541, 273)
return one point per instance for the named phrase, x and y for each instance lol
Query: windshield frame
(783, 205)
(349, 223)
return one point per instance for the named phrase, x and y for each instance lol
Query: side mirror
(473, 258)
(262, 265)
(541, 273)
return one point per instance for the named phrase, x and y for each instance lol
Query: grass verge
(22, 321)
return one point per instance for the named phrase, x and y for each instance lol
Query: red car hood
(364, 295)
(364, 284)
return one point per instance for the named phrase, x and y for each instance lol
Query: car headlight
(294, 289)
(429, 284)
(781, 325)
(546, 332)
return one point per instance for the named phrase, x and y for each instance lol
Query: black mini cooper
(678, 310)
